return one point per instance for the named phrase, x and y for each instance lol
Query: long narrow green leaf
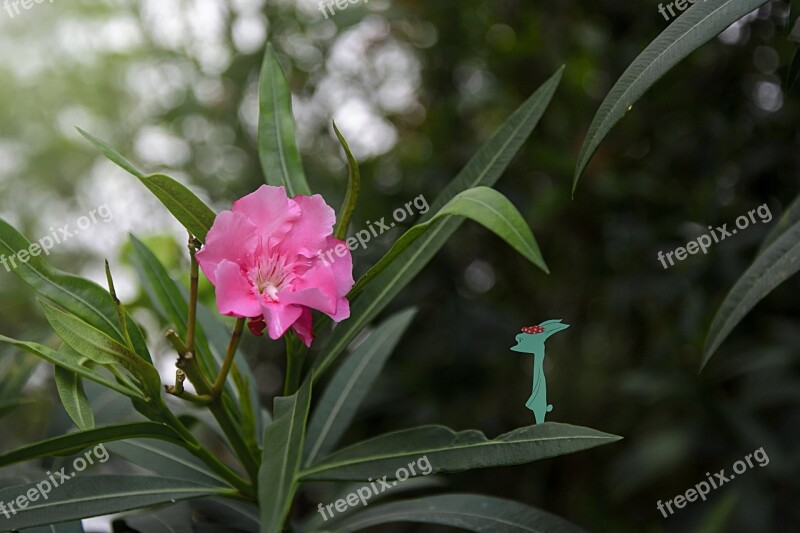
(184, 205)
(87, 496)
(70, 363)
(277, 145)
(100, 348)
(350, 386)
(68, 527)
(789, 218)
(470, 512)
(73, 398)
(277, 477)
(448, 451)
(83, 298)
(483, 205)
(75, 442)
(695, 27)
(484, 169)
(353, 189)
(166, 460)
(772, 267)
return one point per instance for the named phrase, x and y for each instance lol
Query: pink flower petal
(304, 327)
(309, 232)
(228, 239)
(280, 317)
(269, 209)
(235, 294)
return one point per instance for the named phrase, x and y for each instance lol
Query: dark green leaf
(165, 459)
(772, 267)
(448, 451)
(277, 477)
(471, 512)
(277, 145)
(87, 496)
(696, 26)
(75, 442)
(68, 527)
(351, 384)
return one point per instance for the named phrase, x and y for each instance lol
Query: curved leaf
(277, 145)
(695, 27)
(81, 297)
(471, 512)
(73, 398)
(70, 363)
(484, 169)
(100, 348)
(87, 496)
(353, 189)
(350, 386)
(481, 204)
(277, 477)
(772, 267)
(448, 451)
(184, 205)
(74, 442)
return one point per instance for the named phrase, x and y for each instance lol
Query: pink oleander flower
(264, 259)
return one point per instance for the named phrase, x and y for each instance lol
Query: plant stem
(295, 357)
(194, 280)
(236, 337)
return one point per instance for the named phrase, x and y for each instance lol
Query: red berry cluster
(532, 330)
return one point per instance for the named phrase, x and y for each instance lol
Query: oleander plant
(269, 260)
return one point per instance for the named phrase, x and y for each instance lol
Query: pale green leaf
(73, 397)
(82, 298)
(184, 205)
(277, 145)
